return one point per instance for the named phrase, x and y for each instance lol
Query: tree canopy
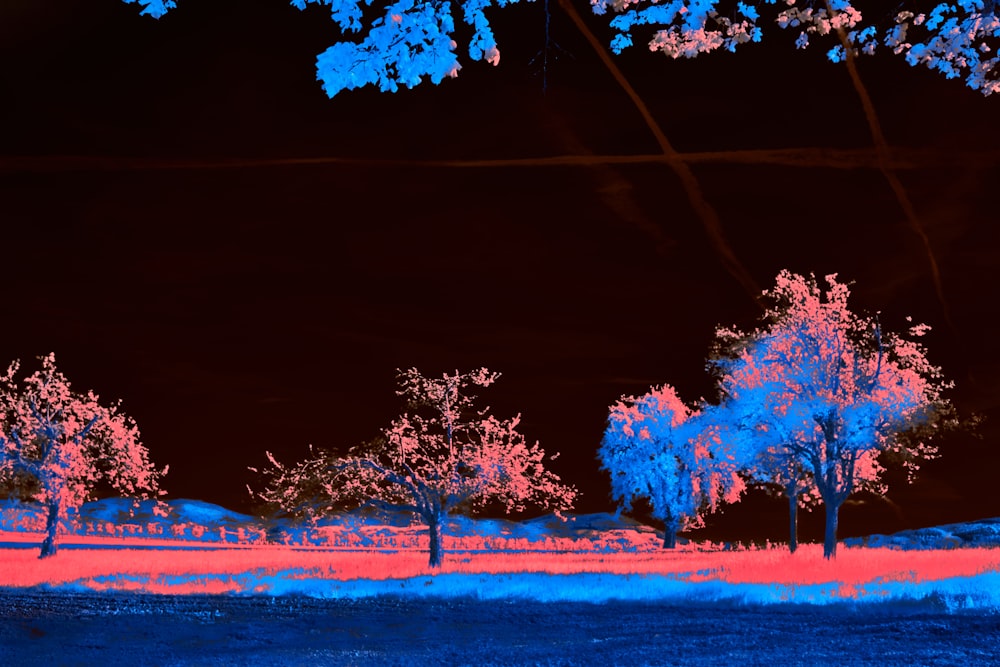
(69, 442)
(822, 388)
(440, 456)
(406, 41)
(656, 448)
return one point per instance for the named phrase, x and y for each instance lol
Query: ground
(47, 629)
(201, 589)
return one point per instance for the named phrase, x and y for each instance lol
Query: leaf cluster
(68, 442)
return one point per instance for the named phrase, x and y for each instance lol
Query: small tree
(657, 448)
(69, 443)
(825, 389)
(437, 458)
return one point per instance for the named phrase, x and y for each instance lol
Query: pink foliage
(825, 390)
(818, 358)
(440, 455)
(69, 441)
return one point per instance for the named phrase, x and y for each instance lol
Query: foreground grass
(966, 577)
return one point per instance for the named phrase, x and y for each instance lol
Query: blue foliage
(747, 11)
(821, 392)
(412, 39)
(415, 39)
(345, 13)
(956, 38)
(655, 15)
(409, 41)
(154, 8)
(810, 371)
(656, 449)
(621, 42)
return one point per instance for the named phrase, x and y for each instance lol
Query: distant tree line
(813, 403)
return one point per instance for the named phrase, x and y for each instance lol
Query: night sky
(160, 236)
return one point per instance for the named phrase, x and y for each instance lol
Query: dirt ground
(48, 629)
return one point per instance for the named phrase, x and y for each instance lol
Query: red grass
(237, 569)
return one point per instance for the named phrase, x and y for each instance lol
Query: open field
(506, 594)
(966, 578)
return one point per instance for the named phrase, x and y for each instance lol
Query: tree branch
(386, 506)
(390, 476)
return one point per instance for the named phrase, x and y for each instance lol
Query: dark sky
(152, 238)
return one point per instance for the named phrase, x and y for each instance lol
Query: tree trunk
(793, 520)
(434, 529)
(670, 533)
(830, 538)
(669, 539)
(51, 526)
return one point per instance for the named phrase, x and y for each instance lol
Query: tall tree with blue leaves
(657, 449)
(761, 456)
(820, 387)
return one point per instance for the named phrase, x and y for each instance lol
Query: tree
(822, 388)
(440, 456)
(763, 457)
(69, 443)
(657, 448)
(407, 40)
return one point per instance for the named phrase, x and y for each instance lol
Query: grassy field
(770, 574)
